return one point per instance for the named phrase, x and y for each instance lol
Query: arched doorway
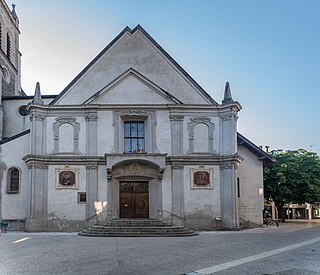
(135, 186)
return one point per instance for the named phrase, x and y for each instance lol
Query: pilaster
(228, 194)
(91, 122)
(177, 190)
(91, 188)
(39, 191)
(176, 121)
(229, 132)
(1, 106)
(37, 119)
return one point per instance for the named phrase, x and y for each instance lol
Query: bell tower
(10, 56)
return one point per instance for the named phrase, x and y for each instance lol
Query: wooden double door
(134, 199)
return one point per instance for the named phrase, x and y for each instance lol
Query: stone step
(149, 230)
(137, 228)
(137, 234)
(143, 223)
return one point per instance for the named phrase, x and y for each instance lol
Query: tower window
(0, 36)
(8, 46)
(13, 186)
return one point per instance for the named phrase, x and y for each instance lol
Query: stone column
(91, 188)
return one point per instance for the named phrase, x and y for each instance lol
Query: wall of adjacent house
(14, 123)
(251, 201)
(15, 206)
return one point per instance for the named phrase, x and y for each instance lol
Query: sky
(267, 50)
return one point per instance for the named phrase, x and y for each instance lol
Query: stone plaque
(201, 178)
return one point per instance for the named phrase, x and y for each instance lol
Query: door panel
(127, 205)
(142, 206)
(134, 200)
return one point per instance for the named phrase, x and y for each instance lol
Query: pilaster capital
(176, 117)
(229, 116)
(91, 117)
(37, 165)
(177, 166)
(91, 166)
(37, 116)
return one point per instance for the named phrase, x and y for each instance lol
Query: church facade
(133, 136)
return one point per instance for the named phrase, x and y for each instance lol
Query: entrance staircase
(137, 228)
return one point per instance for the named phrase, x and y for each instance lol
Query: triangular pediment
(133, 49)
(131, 88)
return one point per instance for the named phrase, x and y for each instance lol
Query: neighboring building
(295, 211)
(133, 136)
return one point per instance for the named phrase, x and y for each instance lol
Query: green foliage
(294, 178)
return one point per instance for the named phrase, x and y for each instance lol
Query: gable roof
(243, 141)
(142, 78)
(125, 30)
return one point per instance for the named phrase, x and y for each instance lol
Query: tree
(293, 178)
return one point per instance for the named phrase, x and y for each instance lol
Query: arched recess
(206, 128)
(65, 122)
(13, 180)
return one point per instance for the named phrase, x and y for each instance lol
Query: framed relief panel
(201, 178)
(67, 179)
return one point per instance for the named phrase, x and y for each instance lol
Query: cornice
(174, 108)
(204, 159)
(63, 159)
